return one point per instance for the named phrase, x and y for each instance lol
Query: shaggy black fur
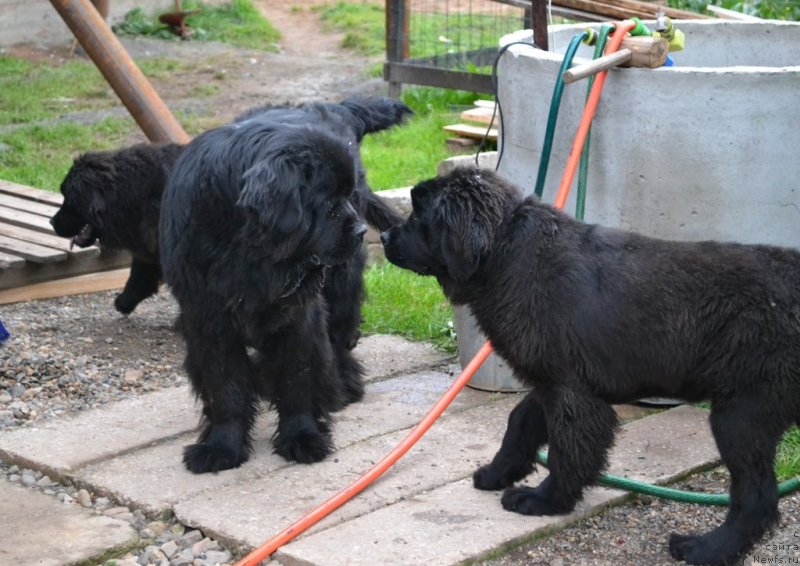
(590, 316)
(262, 227)
(115, 197)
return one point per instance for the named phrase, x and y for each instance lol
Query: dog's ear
(271, 189)
(96, 207)
(465, 239)
(470, 210)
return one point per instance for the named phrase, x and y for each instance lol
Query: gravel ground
(71, 354)
(75, 353)
(637, 533)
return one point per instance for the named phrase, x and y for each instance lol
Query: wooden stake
(639, 51)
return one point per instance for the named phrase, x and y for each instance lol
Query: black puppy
(590, 316)
(262, 225)
(115, 197)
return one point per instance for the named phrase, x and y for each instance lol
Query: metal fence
(451, 43)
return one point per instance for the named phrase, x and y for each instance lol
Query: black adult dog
(589, 316)
(115, 197)
(261, 243)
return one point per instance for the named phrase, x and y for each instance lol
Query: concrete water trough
(705, 149)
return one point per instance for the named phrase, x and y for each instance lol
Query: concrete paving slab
(384, 355)
(248, 514)
(37, 529)
(133, 423)
(58, 446)
(664, 446)
(161, 479)
(455, 522)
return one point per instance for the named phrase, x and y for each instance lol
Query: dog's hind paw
(530, 501)
(204, 458)
(712, 548)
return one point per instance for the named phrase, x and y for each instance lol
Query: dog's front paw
(302, 439)
(531, 501)
(125, 303)
(712, 548)
(489, 478)
(203, 458)
(304, 447)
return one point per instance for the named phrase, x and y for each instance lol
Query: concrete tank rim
(555, 57)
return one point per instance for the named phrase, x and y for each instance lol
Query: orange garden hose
(272, 545)
(375, 471)
(620, 30)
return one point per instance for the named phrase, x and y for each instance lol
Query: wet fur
(261, 229)
(118, 193)
(590, 316)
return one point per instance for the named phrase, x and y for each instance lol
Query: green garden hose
(671, 494)
(552, 118)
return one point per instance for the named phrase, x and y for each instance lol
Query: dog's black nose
(360, 230)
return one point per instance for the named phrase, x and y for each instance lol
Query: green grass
(407, 154)
(40, 156)
(787, 462)
(31, 92)
(237, 23)
(363, 25)
(401, 302)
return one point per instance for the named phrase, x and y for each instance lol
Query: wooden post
(539, 15)
(110, 57)
(396, 40)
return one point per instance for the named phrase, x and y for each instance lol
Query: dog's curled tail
(380, 214)
(375, 113)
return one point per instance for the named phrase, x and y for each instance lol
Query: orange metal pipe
(132, 87)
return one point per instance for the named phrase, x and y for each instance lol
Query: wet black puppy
(115, 197)
(590, 316)
(261, 243)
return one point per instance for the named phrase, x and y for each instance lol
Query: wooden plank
(31, 252)
(25, 219)
(90, 283)
(481, 115)
(468, 131)
(8, 261)
(480, 103)
(732, 14)
(47, 240)
(42, 209)
(81, 265)
(30, 193)
(623, 9)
